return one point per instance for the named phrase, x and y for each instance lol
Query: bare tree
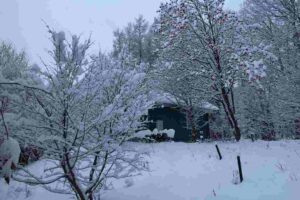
(82, 120)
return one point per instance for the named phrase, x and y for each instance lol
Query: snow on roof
(209, 106)
(166, 99)
(169, 99)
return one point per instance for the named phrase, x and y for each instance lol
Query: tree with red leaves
(203, 37)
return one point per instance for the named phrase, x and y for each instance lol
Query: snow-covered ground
(182, 171)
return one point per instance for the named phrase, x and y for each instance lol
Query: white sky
(21, 20)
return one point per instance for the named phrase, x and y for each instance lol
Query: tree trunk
(66, 165)
(190, 117)
(70, 176)
(225, 98)
(194, 134)
(230, 115)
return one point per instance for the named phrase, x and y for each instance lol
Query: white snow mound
(9, 154)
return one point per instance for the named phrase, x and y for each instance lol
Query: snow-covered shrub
(153, 136)
(9, 157)
(83, 118)
(159, 137)
(169, 132)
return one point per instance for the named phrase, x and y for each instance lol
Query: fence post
(240, 168)
(218, 150)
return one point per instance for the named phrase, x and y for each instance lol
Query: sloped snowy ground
(181, 171)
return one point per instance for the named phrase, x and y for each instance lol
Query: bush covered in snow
(9, 157)
(153, 136)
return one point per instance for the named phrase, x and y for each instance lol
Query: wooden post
(240, 168)
(218, 150)
(252, 137)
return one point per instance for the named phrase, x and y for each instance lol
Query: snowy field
(182, 171)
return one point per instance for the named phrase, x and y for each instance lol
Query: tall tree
(15, 67)
(83, 118)
(200, 33)
(274, 25)
(135, 44)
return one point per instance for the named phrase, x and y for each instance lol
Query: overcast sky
(21, 20)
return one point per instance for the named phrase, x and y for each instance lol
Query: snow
(209, 106)
(166, 98)
(256, 69)
(59, 37)
(192, 171)
(10, 150)
(185, 171)
(169, 132)
(143, 133)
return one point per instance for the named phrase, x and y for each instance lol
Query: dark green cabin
(168, 116)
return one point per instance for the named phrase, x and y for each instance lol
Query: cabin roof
(168, 100)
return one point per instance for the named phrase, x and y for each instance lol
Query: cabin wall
(174, 119)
